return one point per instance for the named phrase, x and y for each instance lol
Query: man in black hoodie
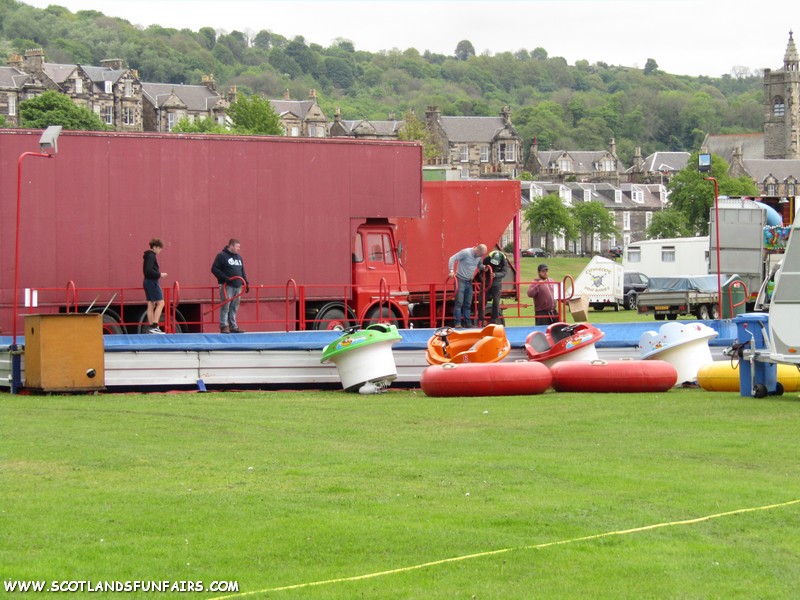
(152, 284)
(228, 268)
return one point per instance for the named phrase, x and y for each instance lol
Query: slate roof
(472, 129)
(298, 108)
(57, 72)
(11, 77)
(780, 168)
(752, 145)
(381, 128)
(666, 161)
(583, 160)
(195, 97)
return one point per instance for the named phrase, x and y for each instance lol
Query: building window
(128, 89)
(587, 195)
(295, 131)
(464, 151)
(778, 107)
(464, 172)
(618, 196)
(484, 153)
(170, 121)
(790, 187)
(668, 254)
(648, 218)
(79, 86)
(626, 220)
(109, 87)
(607, 165)
(108, 115)
(772, 189)
(634, 254)
(12, 105)
(637, 196)
(613, 216)
(565, 165)
(508, 152)
(129, 116)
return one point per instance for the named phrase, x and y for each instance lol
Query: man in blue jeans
(228, 268)
(468, 260)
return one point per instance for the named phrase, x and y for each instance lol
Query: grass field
(403, 496)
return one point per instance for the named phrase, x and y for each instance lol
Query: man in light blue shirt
(468, 260)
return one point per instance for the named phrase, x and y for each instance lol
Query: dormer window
(618, 196)
(507, 152)
(772, 189)
(565, 165)
(79, 86)
(109, 87)
(637, 196)
(778, 107)
(607, 165)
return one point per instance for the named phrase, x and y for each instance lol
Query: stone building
(165, 104)
(575, 165)
(301, 118)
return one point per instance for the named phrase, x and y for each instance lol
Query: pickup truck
(671, 297)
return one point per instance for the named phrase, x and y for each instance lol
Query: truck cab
(380, 291)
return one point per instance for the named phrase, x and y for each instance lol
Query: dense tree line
(577, 106)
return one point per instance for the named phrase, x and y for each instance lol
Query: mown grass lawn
(276, 489)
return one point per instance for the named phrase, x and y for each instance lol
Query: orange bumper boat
(448, 345)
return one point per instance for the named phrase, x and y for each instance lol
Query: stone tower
(782, 107)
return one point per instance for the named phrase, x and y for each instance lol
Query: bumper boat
(561, 341)
(364, 358)
(448, 345)
(516, 378)
(614, 376)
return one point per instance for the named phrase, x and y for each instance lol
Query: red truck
(318, 220)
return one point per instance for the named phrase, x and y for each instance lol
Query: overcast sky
(685, 37)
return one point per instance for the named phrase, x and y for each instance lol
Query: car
(535, 252)
(615, 251)
(634, 283)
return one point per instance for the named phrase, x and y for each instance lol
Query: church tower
(782, 107)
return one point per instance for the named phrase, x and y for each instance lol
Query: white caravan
(668, 257)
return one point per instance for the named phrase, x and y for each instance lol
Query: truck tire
(111, 324)
(672, 316)
(658, 317)
(332, 317)
(179, 325)
(702, 312)
(376, 315)
(715, 311)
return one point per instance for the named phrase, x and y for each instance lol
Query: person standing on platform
(468, 260)
(228, 268)
(153, 293)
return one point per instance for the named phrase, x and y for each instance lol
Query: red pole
(716, 230)
(16, 246)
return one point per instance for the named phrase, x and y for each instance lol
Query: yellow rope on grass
(505, 550)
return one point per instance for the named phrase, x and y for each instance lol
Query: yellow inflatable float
(723, 376)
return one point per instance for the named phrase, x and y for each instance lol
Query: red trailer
(320, 221)
(309, 213)
(455, 215)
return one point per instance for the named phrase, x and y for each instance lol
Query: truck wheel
(144, 326)
(702, 312)
(630, 302)
(332, 317)
(672, 317)
(715, 311)
(597, 306)
(376, 315)
(111, 324)
(658, 317)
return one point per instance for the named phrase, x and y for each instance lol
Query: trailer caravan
(668, 257)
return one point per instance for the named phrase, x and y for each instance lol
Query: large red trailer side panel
(88, 214)
(455, 215)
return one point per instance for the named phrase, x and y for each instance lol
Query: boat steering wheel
(443, 332)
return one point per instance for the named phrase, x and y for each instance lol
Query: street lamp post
(704, 164)
(48, 146)
(716, 235)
